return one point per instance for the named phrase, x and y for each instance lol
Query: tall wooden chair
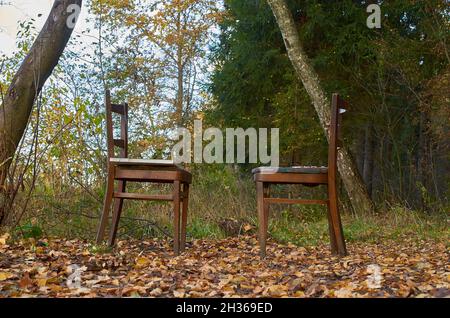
(125, 170)
(309, 176)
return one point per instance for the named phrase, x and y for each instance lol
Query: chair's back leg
(336, 220)
(333, 244)
(118, 205)
(106, 205)
(176, 217)
(184, 217)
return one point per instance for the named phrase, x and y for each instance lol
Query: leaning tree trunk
(353, 182)
(28, 82)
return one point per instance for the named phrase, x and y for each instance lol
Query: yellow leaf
(277, 290)
(238, 279)
(142, 262)
(41, 282)
(55, 288)
(53, 280)
(40, 250)
(299, 293)
(3, 239)
(5, 276)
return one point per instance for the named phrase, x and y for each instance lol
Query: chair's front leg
(266, 208)
(262, 218)
(176, 217)
(184, 216)
(117, 211)
(106, 205)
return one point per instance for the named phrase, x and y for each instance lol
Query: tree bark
(180, 75)
(28, 82)
(368, 158)
(353, 182)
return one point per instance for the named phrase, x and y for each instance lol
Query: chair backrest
(338, 108)
(122, 143)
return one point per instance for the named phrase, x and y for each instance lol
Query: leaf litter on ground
(222, 268)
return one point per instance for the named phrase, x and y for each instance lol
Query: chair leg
(106, 205)
(333, 244)
(118, 205)
(184, 217)
(262, 217)
(266, 209)
(176, 217)
(336, 220)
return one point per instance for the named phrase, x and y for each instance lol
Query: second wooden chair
(310, 176)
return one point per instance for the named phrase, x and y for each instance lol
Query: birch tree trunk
(352, 180)
(28, 82)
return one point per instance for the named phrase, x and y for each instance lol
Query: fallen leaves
(226, 268)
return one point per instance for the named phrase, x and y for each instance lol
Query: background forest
(225, 62)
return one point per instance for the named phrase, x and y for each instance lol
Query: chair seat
(142, 162)
(139, 170)
(295, 169)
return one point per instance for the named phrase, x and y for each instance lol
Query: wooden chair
(126, 170)
(309, 176)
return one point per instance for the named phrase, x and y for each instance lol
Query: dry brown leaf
(179, 293)
(26, 281)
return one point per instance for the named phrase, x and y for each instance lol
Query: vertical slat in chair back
(338, 107)
(122, 143)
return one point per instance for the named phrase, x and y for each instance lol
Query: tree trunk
(368, 158)
(359, 151)
(27, 84)
(353, 182)
(180, 75)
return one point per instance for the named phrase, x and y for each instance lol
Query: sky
(12, 11)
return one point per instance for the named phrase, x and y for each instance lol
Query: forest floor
(222, 268)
